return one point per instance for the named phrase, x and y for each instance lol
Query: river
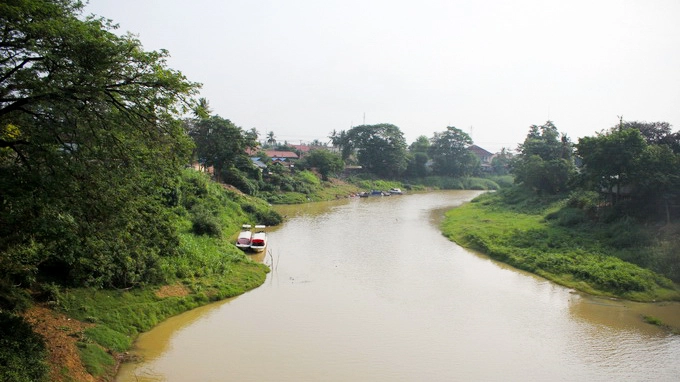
(370, 290)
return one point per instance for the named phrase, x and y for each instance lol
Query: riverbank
(57, 332)
(87, 332)
(578, 256)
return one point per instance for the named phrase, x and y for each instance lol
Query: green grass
(323, 191)
(576, 258)
(95, 359)
(463, 183)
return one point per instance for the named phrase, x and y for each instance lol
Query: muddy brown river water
(369, 290)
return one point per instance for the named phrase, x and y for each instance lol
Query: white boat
(244, 237)
(395, 191)
(258, 241)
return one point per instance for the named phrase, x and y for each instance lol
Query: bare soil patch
(177, 290)
(61, 335)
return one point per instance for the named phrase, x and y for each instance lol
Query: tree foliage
(544, 163)
(326, 162)
(381, 149)
(633, 163)
(90, 148)
(222, 145)
(449, 152)
(655, 133)
(501, 163)
(609, 160)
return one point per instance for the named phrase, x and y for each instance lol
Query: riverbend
(369, 290)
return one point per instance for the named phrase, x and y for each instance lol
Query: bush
(22, 351)
(268, 217)
(503, 181)
(13, 298)
(309, 178)
(205, 223)
(568, 217)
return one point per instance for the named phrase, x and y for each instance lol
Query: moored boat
(244, 237)
(396, 191)
(258, 241)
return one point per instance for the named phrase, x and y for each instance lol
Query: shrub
(268, 217)
(205, 223)
(309, 178)
(568, 217)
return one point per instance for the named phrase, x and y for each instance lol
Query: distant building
(303, 149)
(484, 156)
(258, 163)
(281, 154)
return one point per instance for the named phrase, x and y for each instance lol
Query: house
(484, 156)
(281, 154)
(302, 149)
(258, 163)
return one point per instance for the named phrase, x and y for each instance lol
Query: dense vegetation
(632, 169)
(95, 194)
(600, 215)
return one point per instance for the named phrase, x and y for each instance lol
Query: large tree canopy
(634, 162)
(450, 154)
(381, 149)
(222, 145)
(610, 160)
(90, 144)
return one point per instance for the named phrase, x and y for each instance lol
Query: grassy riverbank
(556, 241)
(84, 333)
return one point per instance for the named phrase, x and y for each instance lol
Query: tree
(341, 141)
(624, 160)
(420, 145)
(90, 148)
(326, 162)
(655, 133)
(202, 109)
(450, 154)
(222, 145)
(609, 160)
(501, 162)
(544, 163)
(271, 139)
(657, 184)
(381, 149)
(417, 165)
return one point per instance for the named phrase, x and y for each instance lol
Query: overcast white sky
(302, 68)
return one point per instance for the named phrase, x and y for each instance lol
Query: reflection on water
(369, 290)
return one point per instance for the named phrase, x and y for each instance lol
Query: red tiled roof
(302, 148)
(281, 154)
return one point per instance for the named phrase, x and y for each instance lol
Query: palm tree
(202, 109)
(271, 139)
